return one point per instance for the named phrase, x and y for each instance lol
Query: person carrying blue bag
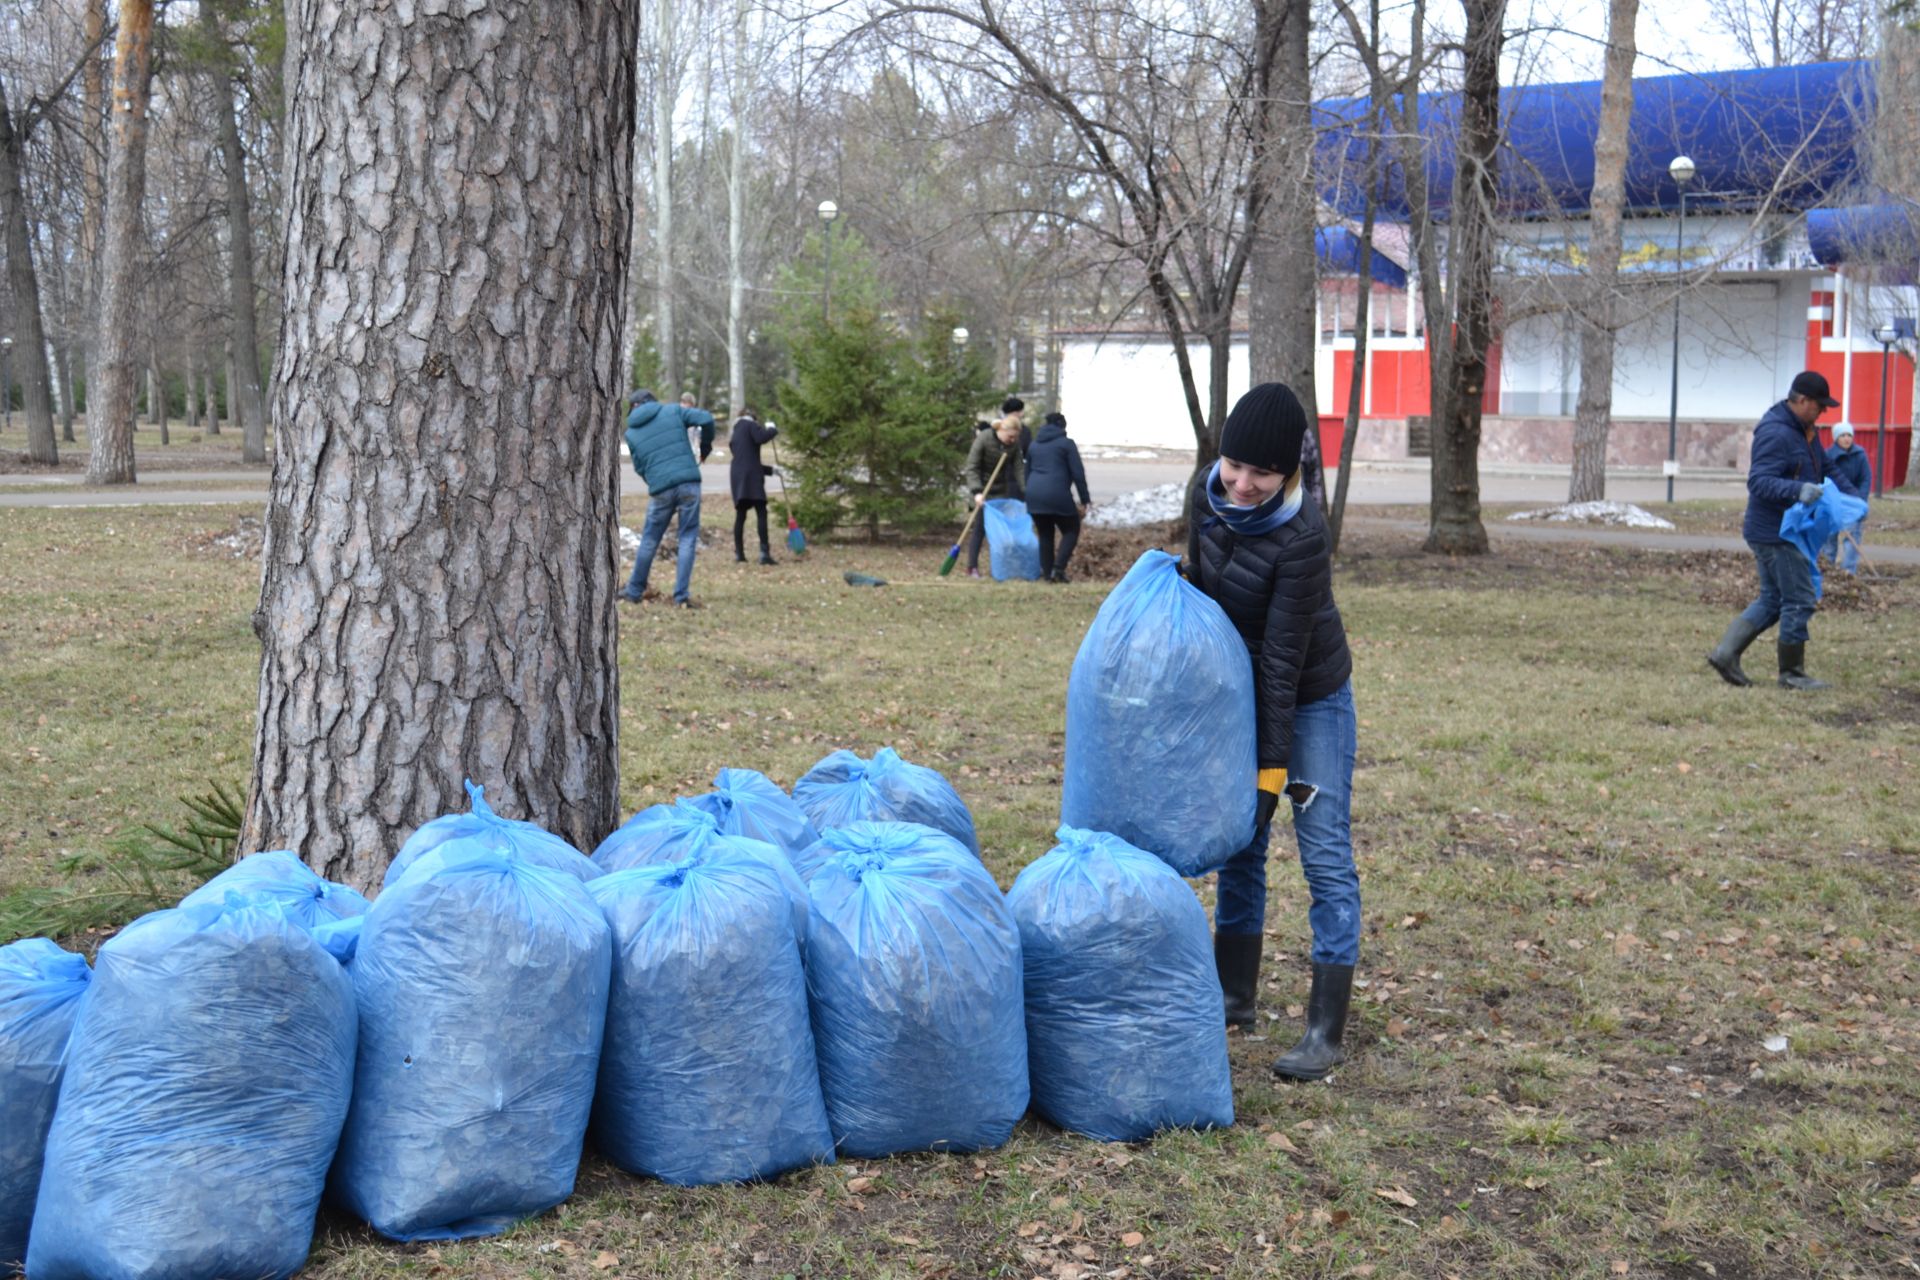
(1787, 468)
(1261, 550)
(1847, 466)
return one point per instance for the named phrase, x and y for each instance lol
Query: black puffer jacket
(1278, 589)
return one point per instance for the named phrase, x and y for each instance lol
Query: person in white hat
(1847, 464)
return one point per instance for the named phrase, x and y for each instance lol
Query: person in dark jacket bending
(1259, 547)
(1786, 468)
(1847, 464)
(1054, 472)
(748, 478)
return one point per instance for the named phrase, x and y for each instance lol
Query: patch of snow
(1098, 452)
(629, 541)
(1621, 514)
(1143, 506)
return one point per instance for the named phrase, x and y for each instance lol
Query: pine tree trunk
(30, 342)
(110, 413)
(251, 405)
(1283, 271)
(1599, 325)
(437, 596)
(1455, 527)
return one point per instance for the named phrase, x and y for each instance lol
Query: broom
(796, 540)
(953, 556)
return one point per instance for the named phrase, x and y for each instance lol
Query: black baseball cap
(1814, 387)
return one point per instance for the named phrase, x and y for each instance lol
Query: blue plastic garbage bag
(687, 832)
(913, 969)
(279, 876)
(206, 1083)
(708, 1074)
(843, 789)
(1811, 527)
(1013, 547)
(1124, 1029)
(507, 835)
(483, 995)
(40, 990)
(1161, 746)
(745, 802)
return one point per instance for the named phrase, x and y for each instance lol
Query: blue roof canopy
(1791, 136)
(1876, 234)
(1339, 250)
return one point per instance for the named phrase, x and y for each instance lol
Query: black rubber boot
(766, 556)
(1319, 1049)
(1237, 957)
(1793, 674)
(1725, 657)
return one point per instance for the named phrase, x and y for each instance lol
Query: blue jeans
(1325, 737)
(1845, 552)
(684, 499)
(1786, 591)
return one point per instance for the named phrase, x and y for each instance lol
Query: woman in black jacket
(747, 476)
(1258, 545)
(1054, 472)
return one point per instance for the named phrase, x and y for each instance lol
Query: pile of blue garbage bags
(729, 987)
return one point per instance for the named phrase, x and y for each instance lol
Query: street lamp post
(1886, 335)
(828, 211)
(1681, 171)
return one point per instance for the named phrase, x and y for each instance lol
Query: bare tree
(1283, 272)
(248, 402)
(110, 405)
(1780, 33)
(1599, 323)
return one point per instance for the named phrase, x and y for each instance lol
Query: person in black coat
(1054, 473)
(1259, 547)
(748, 479)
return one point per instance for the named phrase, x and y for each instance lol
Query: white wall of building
(1741, 342)
(1124, 391)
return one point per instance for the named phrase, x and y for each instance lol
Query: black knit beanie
(1265, 429)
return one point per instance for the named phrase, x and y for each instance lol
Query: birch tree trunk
(1599, 324)
(663, 93)
(110, 412)
(736, 220)
(1455, 527)
(30, 339)
(437, 595)
(250, 404)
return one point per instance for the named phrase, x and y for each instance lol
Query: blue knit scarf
(1251, 522)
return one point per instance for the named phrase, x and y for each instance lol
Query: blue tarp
(507, 835)
(1161, 744)
(482, 987)
(708, 1072)
(913, 971)
(40, 989)
(1012, 545)
(1810, 527)
(206, 1083)
(1125, 1030)
(843, 788)
(1791, 134)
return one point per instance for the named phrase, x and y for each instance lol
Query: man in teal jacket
(662, 452)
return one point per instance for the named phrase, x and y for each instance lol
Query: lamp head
(1681, 170)
(960, 336)
(828, 211)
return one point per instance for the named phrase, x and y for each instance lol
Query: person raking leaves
(1259, 547)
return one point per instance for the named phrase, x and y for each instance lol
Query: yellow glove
(1274, 780)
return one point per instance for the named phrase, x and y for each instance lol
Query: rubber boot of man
(1793, 675)
(1319, 1049)
(1237, 957)
(1725, 657)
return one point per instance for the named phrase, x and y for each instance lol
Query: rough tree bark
(110, 413)
(93, 142)
(250, 404)
(1454, 523)
(1283, 271)
(1599, 324)
(736, 219)
(30, 339)
(437, 596)
(663, 94)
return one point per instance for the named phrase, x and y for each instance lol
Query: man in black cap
(1786, 468)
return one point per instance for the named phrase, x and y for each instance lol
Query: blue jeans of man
(683, 499)
(1325, 738)
(1845, 551)
(1786, 591)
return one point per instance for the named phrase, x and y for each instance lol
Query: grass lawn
(1598, 881)
(189, 449)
